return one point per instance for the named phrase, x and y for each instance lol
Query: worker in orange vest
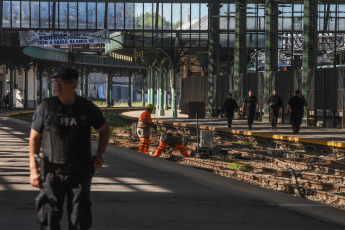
(174, 140)
(144, 125)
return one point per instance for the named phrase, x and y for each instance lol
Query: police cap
(67, 74)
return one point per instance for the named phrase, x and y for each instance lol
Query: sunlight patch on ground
(117, 184)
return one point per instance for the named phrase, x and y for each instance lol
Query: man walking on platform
(296, 105)
(275, 103)
(65, 170)
(174, 140)
(6, 101)
(251, 104)
(144, 125)
(229, 107)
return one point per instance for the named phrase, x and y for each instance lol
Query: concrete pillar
(109, 90)
(271, 49)
(240, 59)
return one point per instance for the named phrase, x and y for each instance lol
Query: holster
(43, 166)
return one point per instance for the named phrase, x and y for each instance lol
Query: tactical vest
(67, 132)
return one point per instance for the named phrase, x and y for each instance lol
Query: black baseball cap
(67, 74)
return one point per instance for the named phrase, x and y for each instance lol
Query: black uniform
(297, 111)
(251, 109)
(229, 107)
(6, 100)
(68, 170)
(277, 103)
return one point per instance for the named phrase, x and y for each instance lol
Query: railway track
(313, 175)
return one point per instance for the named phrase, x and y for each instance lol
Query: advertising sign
(28, 38)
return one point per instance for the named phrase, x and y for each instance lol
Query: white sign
(28, 38)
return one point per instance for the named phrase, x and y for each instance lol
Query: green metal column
(40, 73)
(173, 92)
(158, 89)
(213, 53)
(12, 96)
(86, 84)
(240, 60)
(109, 89)
(26, 90)
(271, 51)
(310, 45)
(160, 95)
(166, 99)
(49, 83)
(143, 91)
(154, 94)
(150, 85)
(81, 86)
(130, 90)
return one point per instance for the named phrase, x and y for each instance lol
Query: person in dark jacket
(6, 100)
(275, 103)
(251, 104)
(230, 106)
(62, 126)
(296, 105)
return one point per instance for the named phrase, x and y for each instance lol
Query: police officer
(174, 140)
(251, 104)
(63, 125)
(275, 103)
(144, 125)
(229, 107)
(296, 105)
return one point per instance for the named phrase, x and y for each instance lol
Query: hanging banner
(28, 38)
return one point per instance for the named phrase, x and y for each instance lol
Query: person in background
(296, 105)
(174, 140)
(251, 104)
(144, 125)
(230, 107)
(6, 101)
(62, 125)
(275, 103)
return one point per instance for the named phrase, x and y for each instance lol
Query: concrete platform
(322, 136)
(135, 191)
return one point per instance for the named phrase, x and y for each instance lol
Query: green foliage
(246, 143)
(149, 18)
(235, 166)
(24, 116)
(114, 120)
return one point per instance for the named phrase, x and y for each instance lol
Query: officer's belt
(67, 168)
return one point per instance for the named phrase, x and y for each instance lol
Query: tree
(149, 18)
